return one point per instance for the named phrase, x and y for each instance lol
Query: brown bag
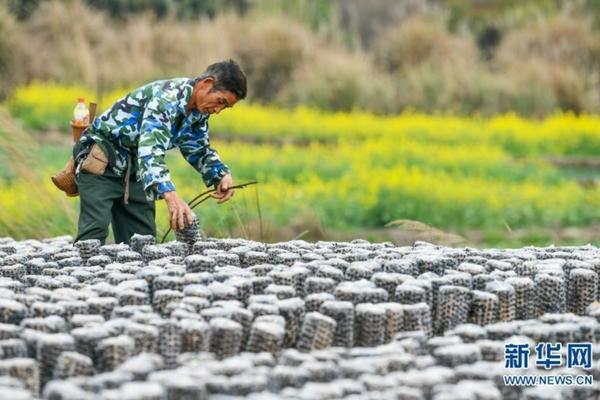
(96, 161)
(65, 179)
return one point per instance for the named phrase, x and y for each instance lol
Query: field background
(447, 121)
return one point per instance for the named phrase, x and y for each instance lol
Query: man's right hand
(179, 211)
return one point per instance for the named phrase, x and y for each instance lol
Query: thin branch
(199, 199)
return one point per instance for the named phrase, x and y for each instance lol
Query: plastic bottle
(81, 114)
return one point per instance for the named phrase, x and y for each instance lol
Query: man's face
(209, 100)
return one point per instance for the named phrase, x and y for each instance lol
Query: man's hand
(179, 211)
(224, 190)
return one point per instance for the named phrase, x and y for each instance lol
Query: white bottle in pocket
(81, 114)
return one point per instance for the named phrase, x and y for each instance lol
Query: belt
(126, 195)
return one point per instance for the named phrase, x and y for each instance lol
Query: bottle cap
(80, 100)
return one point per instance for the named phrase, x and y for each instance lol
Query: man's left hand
(224, 190)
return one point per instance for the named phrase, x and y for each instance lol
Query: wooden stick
(92, 111)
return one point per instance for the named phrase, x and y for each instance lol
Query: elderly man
(120, 158)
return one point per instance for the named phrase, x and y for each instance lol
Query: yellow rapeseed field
(354, 170)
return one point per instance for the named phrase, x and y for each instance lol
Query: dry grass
(561, 54)
(407, 231)
(337, 80)
(414, 63)
(417, 41)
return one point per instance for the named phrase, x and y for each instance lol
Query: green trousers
(102, 203)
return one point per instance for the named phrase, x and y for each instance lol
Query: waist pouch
(94, 155)
(96, 161)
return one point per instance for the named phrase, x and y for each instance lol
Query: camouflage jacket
(145, 124)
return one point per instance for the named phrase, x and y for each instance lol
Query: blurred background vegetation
(453, 121)
(384, 56)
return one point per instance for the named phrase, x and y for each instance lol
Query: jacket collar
(184, 98)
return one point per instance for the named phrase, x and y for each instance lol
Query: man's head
(219, 87)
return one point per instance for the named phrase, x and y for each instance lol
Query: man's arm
(197, 151)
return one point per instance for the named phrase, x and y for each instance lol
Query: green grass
(230, 218)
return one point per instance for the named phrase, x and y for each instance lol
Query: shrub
(334, 80)
(565, 54)
(199, 43)
(64, 42)
(269, 52)
(559, 40)
(417, 41)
